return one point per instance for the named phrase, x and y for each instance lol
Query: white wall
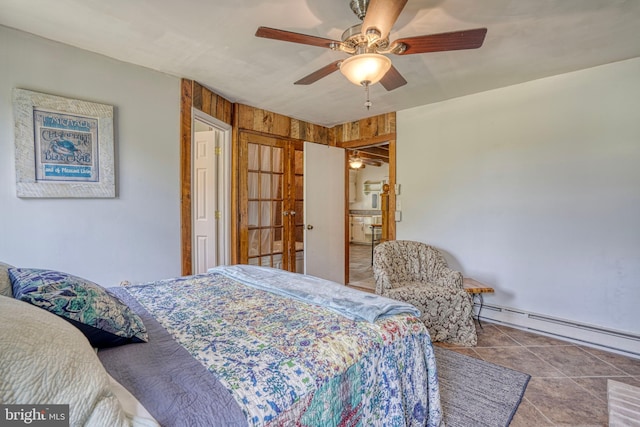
(535, 190)
(133, 237)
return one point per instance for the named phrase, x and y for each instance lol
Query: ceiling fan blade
(288, 36)
(371, 162)
(456, 40)
(382, 14)
(393, 79)
(318, 74)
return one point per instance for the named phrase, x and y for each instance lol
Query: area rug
(477, 393)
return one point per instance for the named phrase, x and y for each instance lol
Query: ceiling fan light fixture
(366, 68)
(355, 162)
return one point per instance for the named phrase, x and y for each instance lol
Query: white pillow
(5, 282)
(46, 360)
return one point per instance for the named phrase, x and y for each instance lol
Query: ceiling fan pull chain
(367, 103)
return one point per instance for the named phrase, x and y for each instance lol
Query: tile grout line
(538, 410)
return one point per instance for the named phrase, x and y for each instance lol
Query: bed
(255, 346)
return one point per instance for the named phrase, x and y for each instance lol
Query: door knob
(309, 227)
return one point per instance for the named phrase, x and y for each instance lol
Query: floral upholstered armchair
(418, 274)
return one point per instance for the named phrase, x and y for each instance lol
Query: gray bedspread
(173, 386)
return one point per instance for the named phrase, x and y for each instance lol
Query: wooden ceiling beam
(365, 154)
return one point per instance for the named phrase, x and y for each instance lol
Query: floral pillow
(102, 317)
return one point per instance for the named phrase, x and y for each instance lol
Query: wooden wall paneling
(206, 101)
(318, 134)
(186, 101)
(223, 108)
(388, 124)
(309, 132)
(368, 127)
(274, 124)
(196, 91)
(354, 131)
(244, 116)
(262, 121)
(270, 123)
(211, 103)
(282, 125)
(295, 129)
(331, 137)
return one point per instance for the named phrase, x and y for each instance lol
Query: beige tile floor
(568, 385)
(360, 271)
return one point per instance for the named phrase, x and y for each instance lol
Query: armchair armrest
(448, 277)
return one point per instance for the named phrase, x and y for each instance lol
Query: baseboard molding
(589, 335)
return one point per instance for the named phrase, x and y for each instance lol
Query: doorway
(210, 183)
(371, 169)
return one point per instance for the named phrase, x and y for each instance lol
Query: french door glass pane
(254, 240)
(253, 185)
(265, 241)
(265, 214)
(254, 161)
(265, 158)
(265, 186)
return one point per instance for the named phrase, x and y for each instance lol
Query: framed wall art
(64, 147)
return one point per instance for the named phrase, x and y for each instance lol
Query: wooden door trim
(186, 101)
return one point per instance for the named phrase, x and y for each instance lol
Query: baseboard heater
(621, 342)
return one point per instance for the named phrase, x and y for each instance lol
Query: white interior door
(205, 230)
(324, 211)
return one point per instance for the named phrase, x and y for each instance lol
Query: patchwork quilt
(289, 360)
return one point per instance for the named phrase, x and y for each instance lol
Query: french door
(271, 200)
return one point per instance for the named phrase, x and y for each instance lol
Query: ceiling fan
(368, 43)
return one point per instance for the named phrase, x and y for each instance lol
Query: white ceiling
(213, 43)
